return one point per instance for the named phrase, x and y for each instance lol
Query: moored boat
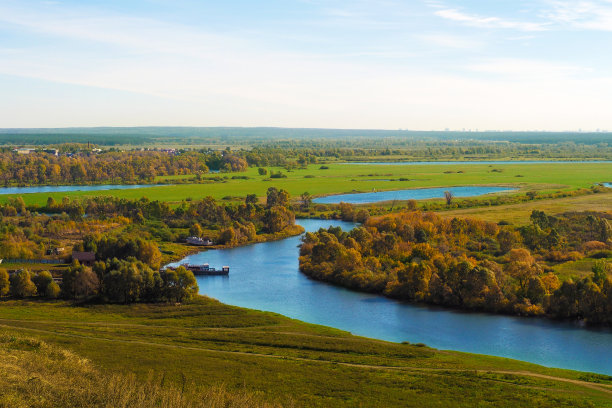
(205, 269)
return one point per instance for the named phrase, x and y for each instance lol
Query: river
(266, 277)
(61, 189)
(410, 194)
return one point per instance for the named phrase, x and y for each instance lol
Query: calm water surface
(409, 194)
(59, 189)
(266, 277)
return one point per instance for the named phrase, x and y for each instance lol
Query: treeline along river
(266, 276)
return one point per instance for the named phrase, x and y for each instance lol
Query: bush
(602, 254)
(594, 246)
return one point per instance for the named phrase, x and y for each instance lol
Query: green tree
(21, 285)
(600, 269)
(42, 280)
(536, 290)
(52, 291)
(4, 282)
(180, 284)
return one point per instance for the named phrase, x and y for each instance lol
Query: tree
(227, 236)
(600, 270)
(42, 280)
(539, 219)
(536, 290)
(306, 200)
(448, 196)
(4, 282)
(79, 282)
(52, 291)
(180, 284)
(521, 266)
(507, 239)
(195, 230)
(262, 171)
(21, 285)
(278, 218)
(251, 199)
(276, 197)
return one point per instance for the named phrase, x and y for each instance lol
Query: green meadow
(346, 178)
(208, 344)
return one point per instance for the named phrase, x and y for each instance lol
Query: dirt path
(604, 388)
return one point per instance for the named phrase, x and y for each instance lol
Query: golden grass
(35, 374)
(519, 213)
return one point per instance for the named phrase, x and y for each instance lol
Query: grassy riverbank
(281, 360)
(346, 178)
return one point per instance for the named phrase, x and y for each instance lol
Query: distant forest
(140, 136)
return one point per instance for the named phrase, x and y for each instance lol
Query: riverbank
(207, 343)
(266, 276)
(173, 252)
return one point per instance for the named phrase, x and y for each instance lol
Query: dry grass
(519, 213)
(35, 374)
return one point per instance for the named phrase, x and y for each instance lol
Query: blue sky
(420, 64)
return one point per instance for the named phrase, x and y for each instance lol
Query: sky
(384, 64)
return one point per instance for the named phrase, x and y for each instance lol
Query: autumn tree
(521, 266)
(195, 230)
(79, 282)
(276, 197)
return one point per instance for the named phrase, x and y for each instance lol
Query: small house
(199, 241)
(84, 258)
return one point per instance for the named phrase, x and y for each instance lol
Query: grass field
(286, 361)
(344, 178)
(519, 213)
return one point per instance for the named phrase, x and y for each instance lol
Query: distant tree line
(112, 166)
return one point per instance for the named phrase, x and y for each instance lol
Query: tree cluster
(463, 263)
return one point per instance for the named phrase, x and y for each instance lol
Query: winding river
(266, 277)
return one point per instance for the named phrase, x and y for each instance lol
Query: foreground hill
(251, 358)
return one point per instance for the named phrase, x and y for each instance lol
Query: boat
(205, 269)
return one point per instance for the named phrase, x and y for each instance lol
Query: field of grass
(518, 214)
(285, 361)
(346, 178)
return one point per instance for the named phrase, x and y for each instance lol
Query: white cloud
(194, 76)
(583, 14)
(488, 22)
